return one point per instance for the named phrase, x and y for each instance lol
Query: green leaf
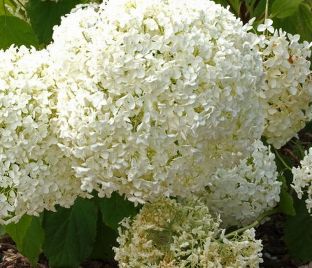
(106, 239)
(4, 4)
(45, 14)
(258, 12)
(298, 233)
(222, 2)
(16, 31)
(70, 233)
(114, 209)
(2, 230)
(28, 236)
(299, 23)
(304, 22)
(2, 9)
(286, 204)
(308, 127)
(284, 8)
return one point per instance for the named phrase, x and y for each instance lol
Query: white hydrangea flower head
(241, 194)
(154, 95)
(35, 174)
(287, 90)
(302, 179)
(166, 234)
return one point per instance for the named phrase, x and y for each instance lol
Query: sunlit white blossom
(267, 26)
(155, 95)
(287, 90)
(35, 174)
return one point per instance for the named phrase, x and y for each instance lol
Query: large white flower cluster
(241, 194)
(287, 90)
(169, 234)
(155, 95)
(302, 179)
(34, 173)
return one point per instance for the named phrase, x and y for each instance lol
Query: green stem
(299, 147)
(282, 160)
(250, 7)
(266, 14)
(256, 223)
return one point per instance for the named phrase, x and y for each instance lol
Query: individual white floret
(302, 179)
(154, 95)
(241, 194)
(287, 90)
(170, 234)
(34, 173)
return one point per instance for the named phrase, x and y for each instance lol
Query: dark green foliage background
(89, 228)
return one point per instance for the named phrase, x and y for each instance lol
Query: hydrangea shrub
(174, 112)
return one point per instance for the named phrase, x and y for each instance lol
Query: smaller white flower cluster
(287, 90)
(241, 194)
(171, 234)
(302, 179)
(35, 174)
